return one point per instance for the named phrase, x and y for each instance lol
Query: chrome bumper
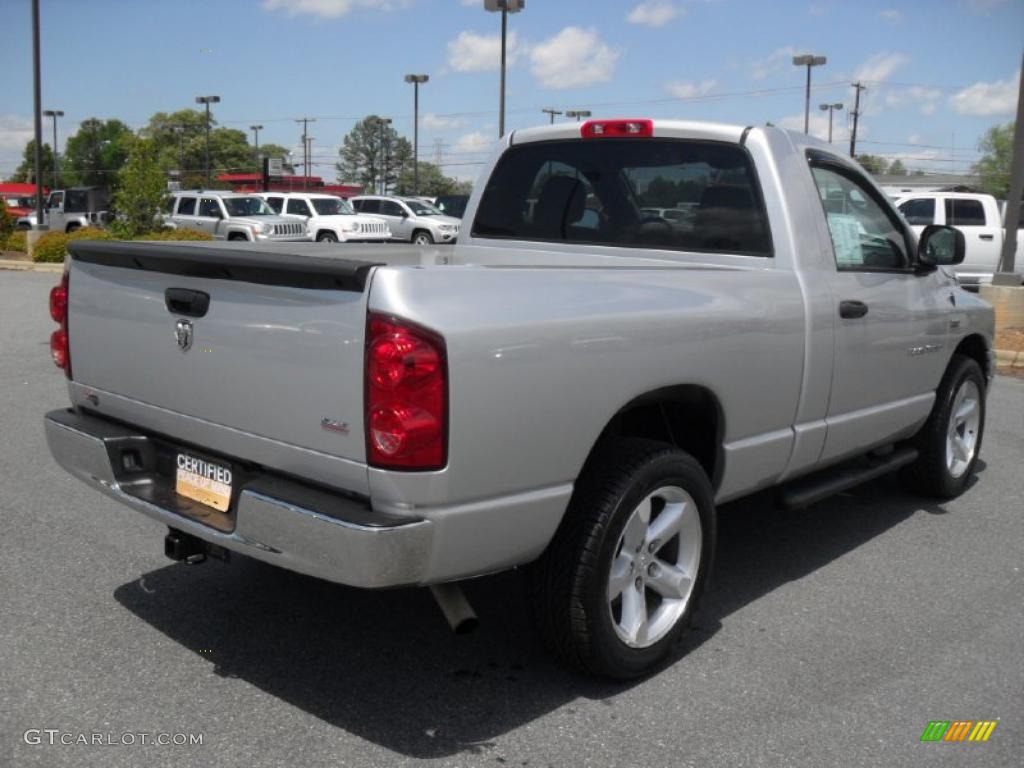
(279, 521)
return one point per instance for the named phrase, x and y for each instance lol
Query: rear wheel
(618, 584)
(235, 236)
(950, 441)
(422, 237)
(326, 237)
(71, 228)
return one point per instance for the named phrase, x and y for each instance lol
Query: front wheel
(950, 441)
(619, 582)
(422, 238)
(326, 237)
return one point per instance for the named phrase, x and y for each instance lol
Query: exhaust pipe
(455, 607)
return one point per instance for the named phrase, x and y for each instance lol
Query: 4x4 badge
(183, 334)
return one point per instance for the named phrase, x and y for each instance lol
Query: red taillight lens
(600, 129)
(406, 395)
(60, 349)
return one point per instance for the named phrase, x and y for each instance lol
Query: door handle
(852, 309)
(987, 237)
(184, 301)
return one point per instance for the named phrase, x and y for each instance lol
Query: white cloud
(434, 122)
(892, 15)
(655, 13)
(772, 63)
(473, 143)
(573, 58)
(15, 132)
(924, 98)
(881, 66)
(683, 89)
(471, 52)
(329, 9)
(819, 125)
(987, 99)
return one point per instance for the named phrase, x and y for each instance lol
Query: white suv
(411, 219)
(230, 216)
(327, 218)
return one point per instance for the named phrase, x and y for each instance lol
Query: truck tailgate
(278, 352)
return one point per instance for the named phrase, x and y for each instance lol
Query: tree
(872, 164)
(96, 152)
(993, 169)
(370, 148)
(432, 182)
(25, 173)
(141, 189)
(896, 168)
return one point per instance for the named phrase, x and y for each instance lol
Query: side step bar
(807, 491)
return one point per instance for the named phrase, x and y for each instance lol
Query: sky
(939, 73)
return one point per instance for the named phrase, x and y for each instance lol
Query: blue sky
(939, 73)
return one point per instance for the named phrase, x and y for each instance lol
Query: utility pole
(551, 113)
(382, 142)
(38, 98)
(416, 80)
(858, 87)
(180, 130)
(54, 113)
(256, 138)
(207, 100)
(305, 147)
(1006, 274)
(438, 152)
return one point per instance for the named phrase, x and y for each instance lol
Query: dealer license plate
(205, 481)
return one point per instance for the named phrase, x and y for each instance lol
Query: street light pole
(54, 113)
(38, 98)
(382, 123)
(579, 114)
(416, 80)
(505, 7)
(551, 113)
(207, 100)
(256, 139)
(808, 60)
(830, 108)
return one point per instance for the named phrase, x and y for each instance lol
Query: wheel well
(421, 230)
(974, 347)
(687, 416)
(72, 227)
(321, 232)
(237, 236)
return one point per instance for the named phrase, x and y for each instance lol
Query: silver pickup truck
(574, 387)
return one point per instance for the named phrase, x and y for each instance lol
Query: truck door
(55, 211)
(210, 216)
(983, 238)
(185, 213)
(397, 218)
(891, 322)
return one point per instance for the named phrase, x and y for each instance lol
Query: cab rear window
(635, 193)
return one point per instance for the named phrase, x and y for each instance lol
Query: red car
(20, 199)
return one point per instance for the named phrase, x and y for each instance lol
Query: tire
(422, 237)
(580, 616)
(950, 441)
(326, 237)
(71, 228)
(237, 236)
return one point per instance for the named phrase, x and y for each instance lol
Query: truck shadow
(385, 667)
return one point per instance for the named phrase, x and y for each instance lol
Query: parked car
(328, 218)
(574, 389)
(231, 216)
(452, 205)
(979, 217)
(71, 209)
(410, 219)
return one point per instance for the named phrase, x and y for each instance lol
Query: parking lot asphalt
(829, 636)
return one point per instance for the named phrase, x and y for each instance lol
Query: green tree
(896, 168)
(872, 164)
(96, 152)
(142, 187)
(432, 182)
(6, 224)
(371, 148)
(993, 169)
(25, 172)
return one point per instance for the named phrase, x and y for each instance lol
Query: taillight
(60, 349)
(406, 395)
(599, 129)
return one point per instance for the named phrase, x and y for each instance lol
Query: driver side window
(864, 235)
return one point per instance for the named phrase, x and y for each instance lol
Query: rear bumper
(280, 521)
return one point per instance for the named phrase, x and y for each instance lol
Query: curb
(30, 266)
(1006, 358)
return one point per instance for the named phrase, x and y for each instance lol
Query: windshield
(247, 206)
(332, 206)
(421, 208)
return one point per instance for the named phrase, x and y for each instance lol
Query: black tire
(422, 237)
(930, 474)
(71, 228)
(326, 237)
(237, 236)
(569, 584)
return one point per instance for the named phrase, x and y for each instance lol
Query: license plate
(205, 481)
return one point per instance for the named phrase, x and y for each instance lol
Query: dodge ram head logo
(183, 333)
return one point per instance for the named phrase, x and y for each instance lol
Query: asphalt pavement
(829, 637)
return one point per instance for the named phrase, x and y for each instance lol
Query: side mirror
(940, 246)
